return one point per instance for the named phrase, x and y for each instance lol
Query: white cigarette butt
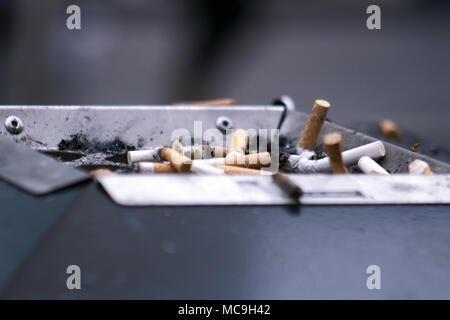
(419, 167)
(204, 168)
(349, 157)
(212, 161)
(370, 166)
(142, 155)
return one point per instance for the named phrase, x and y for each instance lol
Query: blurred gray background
(159, 52)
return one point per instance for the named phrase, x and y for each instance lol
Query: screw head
(14, 125)
(223, 123)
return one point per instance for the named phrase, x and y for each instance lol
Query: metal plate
(141, 126)
(319, 189)
(34, 172)
(44, 127)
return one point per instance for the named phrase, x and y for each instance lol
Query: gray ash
(265, 143)
(76, 143)
(288, 144)
(93, 161)
(318, 155)
(284, 156)
(79, 142)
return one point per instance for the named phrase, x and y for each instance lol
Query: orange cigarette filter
(156, 167)
(312, 129)
(419, 167)
(427, 170)
(100, 172)
(332, 142)
(239, 141)
(390, 130)
(239, 170)
(415, 147)
(177, 160)
(253, 161)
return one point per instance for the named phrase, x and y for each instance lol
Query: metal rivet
(223, 123)
(14, 125)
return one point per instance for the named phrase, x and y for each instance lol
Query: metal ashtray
(93, 137)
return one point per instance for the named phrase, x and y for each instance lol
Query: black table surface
(218, 252)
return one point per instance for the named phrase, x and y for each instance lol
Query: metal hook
(289, 105)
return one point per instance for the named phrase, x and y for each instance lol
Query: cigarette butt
(415, 147)
(419, 167)
(374, 150)
(214, 102)
(287, 185)
(239, 141)
(370, 166)
(177, 146)
(100, 172)
(254, 160)
(314, 125)
(239, 170)
(155, 167)
(299, 163)
(204, 168)
(332, 143)
(177, 160)
(141, 155)
(204, 152)
(219, 151)
(196, 152)
(390, 130)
